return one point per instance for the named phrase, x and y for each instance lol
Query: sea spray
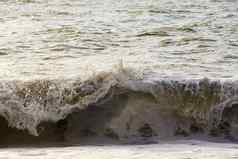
(118, 104)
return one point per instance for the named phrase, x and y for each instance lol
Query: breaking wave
(117, 105)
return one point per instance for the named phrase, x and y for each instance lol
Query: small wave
(3, 53)
(153, 33)
(117, 105)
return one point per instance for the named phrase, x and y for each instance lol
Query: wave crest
(120, 105)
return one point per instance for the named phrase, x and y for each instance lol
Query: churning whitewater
(177, 79)
(117, 105)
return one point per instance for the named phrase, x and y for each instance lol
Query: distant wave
(117, 105)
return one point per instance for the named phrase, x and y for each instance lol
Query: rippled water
(61, 39)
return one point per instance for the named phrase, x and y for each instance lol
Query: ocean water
(172, 150)
(71, 38)
(118, 72)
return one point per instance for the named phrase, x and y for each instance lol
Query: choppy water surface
(52, 39)
(161, 49)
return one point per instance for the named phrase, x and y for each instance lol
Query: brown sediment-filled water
(120, 72)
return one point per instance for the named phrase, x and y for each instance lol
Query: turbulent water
(129, 71)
